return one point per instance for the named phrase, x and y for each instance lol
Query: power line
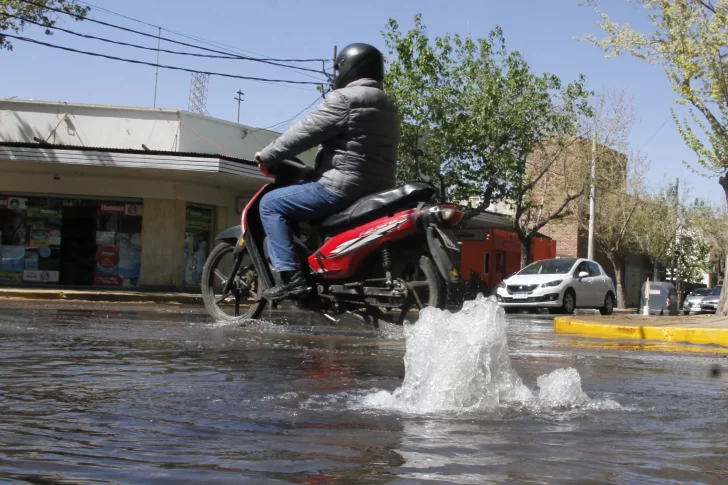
(192, 37)
(274, 62)
(218, 45)
(175, 68)
(155, 49)
(281, 123)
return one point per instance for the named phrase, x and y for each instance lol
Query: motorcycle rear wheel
(244, 301)
(427, 289)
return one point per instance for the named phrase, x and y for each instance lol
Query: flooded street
(164, 395)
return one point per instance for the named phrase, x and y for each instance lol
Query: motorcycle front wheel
(243, 300)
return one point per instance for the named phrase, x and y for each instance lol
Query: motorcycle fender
(439, 253)
(231, 234)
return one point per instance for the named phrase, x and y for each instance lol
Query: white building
(118, 196)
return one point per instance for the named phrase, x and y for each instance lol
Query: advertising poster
(133, 209)
(55, 238)
(130, 257)
(17, 203)
(3, 203)
(12, 264)
(39, 237)
(107, 259)
(35, 276)
(42, 213)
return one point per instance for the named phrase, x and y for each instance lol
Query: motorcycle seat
(380, 204)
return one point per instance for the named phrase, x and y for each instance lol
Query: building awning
(126, 158)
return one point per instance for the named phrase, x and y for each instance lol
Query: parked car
(561, 285)
(709, 304)
(694, 299)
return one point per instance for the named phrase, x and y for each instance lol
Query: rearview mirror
(583, 274)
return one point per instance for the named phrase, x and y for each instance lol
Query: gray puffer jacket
(358, 129)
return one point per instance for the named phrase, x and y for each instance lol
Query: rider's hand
(262, 167)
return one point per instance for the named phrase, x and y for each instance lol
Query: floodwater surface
(166, 396)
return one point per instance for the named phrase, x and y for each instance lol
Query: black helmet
(358, 61)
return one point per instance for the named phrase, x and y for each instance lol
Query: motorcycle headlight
(551, 284)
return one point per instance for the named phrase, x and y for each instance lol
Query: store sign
(107, 257)
(36, 276)
(108, 280)
(470, 234)
(133, 209)
(112, 209)
(3, 202)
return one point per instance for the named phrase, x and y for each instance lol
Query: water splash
(458, 362)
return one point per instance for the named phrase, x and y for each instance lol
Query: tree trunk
(618, 266)
(723, 305)
(655, 271)
(525, 250)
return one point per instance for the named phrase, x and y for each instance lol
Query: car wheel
(608, 307)
(569, 303)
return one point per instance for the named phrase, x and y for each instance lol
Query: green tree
(473, 113)
(689, 40)
(656, 228)
(16, 14)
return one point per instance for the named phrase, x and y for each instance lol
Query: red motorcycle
(385, 254)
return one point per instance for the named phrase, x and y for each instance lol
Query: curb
(105, 297)
(693, 335)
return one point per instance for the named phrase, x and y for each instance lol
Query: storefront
(70, 241)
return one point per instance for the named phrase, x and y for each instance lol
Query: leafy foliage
(10, 10)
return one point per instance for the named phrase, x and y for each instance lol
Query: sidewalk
(696, 329)
(100, 296)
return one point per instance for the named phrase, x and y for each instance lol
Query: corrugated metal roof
(124, 150)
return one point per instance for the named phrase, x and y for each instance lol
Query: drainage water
(458, 362)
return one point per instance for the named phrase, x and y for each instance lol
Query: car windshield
(549, 266)
(716, 291)
(700, 292)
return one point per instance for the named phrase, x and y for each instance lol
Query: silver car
(709, 304)
(694, 299)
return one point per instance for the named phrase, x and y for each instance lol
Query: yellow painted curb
(693, 335)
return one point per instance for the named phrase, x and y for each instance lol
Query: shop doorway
(78, 246)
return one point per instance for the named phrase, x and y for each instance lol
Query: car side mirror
(583, 274)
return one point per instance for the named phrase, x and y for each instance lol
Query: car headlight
(502, 284)
(551, 284)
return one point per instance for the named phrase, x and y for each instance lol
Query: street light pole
(592, 197)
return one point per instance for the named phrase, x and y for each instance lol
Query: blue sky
(543, 31)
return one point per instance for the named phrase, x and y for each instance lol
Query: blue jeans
(301, 202)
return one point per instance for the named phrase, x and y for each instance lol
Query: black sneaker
(292, 284)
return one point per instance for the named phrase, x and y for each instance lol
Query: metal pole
(156, 75)
(678, 249)
(592, 197)
(239, 99)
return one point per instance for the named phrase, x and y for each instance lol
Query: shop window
(198, 232)
(69, 241)
(118, 244)
(486, 264)
(30, 239)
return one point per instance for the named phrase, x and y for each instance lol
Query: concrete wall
(89, 125)
(128, 127)
(163, 241)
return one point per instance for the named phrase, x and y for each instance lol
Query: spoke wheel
(242, 301)
(425, 287)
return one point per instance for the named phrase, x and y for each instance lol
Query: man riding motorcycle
(358, 129)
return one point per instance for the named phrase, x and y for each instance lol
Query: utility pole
(240, 100)
(156, 74)
(678, 249)
(592, 197)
